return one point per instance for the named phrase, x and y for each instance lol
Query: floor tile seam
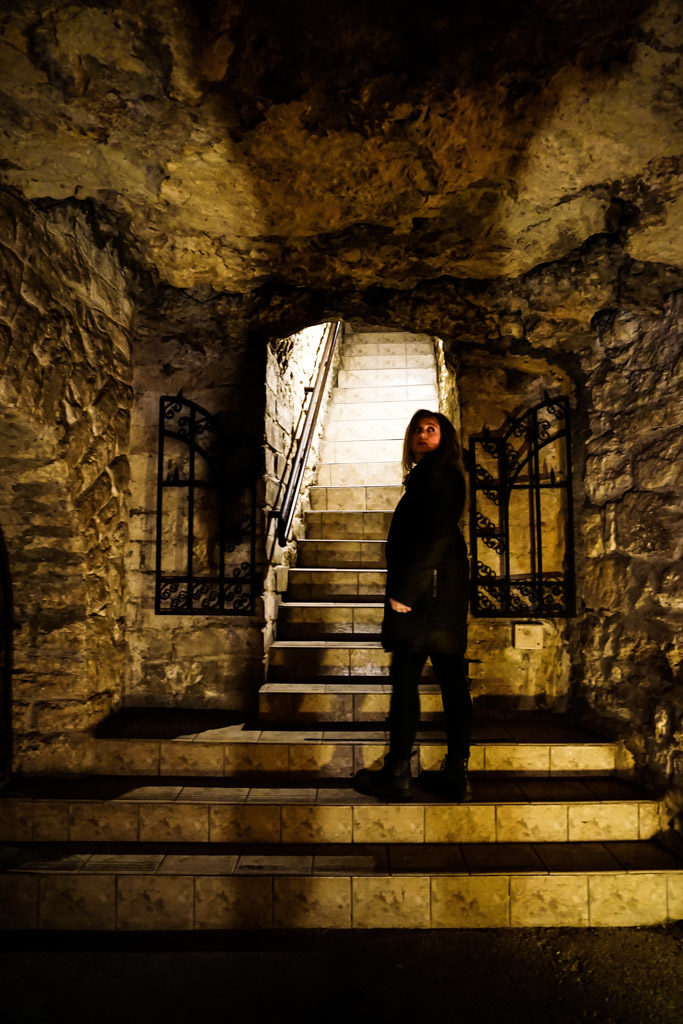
(375, 394)
(341, 540)
(355, 511)
(428, 688)
(378, 363)
(662, 875)
(381, 389)
(356, 487)
(406, 376)
(329, 512)
(330, 604)
(332, 568)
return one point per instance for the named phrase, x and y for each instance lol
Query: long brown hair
(449, 447)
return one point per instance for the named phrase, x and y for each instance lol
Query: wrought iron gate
(206, 515)
(521, 523)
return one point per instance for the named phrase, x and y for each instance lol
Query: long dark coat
(427, 567)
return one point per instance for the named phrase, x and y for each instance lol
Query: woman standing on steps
(425, 613)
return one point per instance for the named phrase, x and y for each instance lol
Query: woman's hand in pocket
(396, 606)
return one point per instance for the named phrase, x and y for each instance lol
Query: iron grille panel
(206, 515)
(521, 516)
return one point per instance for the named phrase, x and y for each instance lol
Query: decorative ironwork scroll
(521, 517)
(206, 515)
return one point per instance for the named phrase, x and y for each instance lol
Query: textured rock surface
(504, 177)
(631, 531)
(64, 473)
(346, 143)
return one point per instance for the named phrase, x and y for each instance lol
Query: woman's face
(425, 436)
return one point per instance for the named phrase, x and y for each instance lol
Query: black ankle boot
(390, 782)
(451, 782)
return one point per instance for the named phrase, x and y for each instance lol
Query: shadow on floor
(561, 976)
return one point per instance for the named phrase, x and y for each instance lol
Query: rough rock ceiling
(350, 144)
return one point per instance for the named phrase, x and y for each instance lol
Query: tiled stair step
(367, 408)
(348, 525)
(353, 699)
(354, 359)
(374, 343)
(381, 498)
(364, 344)
(374, 391)
(343, 655)
(159, 887)
(334, 753)
(348, 656)
(373, 474)
(379, 449)
(314, 584)
(291, 660)
(301, 620)
(390, 428)
(296, 703)
(315, 660)
(503, 811)
(331, 554)
(381, 377)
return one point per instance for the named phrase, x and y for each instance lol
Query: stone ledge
(295, 892)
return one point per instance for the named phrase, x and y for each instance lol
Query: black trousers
(404, 710)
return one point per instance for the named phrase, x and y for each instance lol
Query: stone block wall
(630, 565)
(192, 342)
(65, 400)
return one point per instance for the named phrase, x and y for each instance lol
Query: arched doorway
(6, 623)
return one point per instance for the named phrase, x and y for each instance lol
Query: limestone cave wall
(65, 400)
(631, 541)
(506, 178)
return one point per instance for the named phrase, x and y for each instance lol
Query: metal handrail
(296, 475)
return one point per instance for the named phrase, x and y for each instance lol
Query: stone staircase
(192, 820)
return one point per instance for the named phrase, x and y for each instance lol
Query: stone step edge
(341, 540)
(394, 463)
(130, 902)
(333, 568)
(327, 603)
(312, 738)
(280, 644)
(333, 758)
(325, 689)
(349, 511)
(191, 821)
(355, 487)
